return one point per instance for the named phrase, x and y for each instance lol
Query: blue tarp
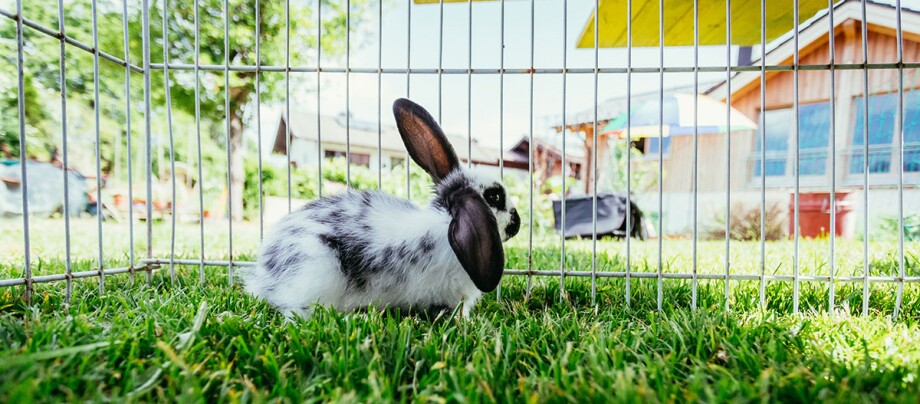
(45, 187)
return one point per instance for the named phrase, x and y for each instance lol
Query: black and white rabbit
(362, 248)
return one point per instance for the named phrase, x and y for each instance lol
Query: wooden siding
(813, 86)
(711, 163)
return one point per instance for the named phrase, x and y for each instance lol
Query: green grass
(185, 341)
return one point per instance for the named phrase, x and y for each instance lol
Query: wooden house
(831, 141)
(831, 149)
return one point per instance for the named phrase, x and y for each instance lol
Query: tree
(242, 51)
(35, 119)
(273, 29)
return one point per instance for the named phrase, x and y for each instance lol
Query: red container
(815, 214)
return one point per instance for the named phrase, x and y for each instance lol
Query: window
(777, 142)
(358, 159)
(396, 161)
(912, 132)
(649, 146)
(911, 162)
(882, 136)
(814, 131)
(882, 110)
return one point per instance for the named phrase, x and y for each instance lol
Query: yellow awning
(678, 22)
(446, 1)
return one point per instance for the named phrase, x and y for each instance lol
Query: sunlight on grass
(142, 342)
(511, 349)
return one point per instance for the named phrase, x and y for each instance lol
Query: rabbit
(362, 248)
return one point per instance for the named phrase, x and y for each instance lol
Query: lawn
(185, 341)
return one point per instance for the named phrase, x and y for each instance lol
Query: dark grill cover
(611, 216)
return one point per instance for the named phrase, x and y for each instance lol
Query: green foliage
(337, 170)
(642, 177)
(304, 184)
(890, 227)
(43, 82)
(274, 183)
(43, 52)
(38, 137)
(392, 181)
(242, 47)
(420, 185)
(519, 191)
(251, 195)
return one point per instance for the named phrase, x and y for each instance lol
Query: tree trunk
(237, 172)
(587, 170)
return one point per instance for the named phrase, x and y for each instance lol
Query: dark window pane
(814, 130)
(912, 160)
(912, 131)
(882, 118)
(775, 167)
(360, 159)
(777, 128)
(651, 146)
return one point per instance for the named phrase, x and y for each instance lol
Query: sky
(448, 101)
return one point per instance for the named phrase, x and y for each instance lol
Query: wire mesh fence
(791, 151)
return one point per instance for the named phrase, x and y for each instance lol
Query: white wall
(304, 153)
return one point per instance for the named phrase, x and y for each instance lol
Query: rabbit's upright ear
(473, 235)
(424, 139)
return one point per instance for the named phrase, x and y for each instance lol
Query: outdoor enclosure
(839, 74)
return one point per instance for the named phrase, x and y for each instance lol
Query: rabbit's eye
(495, 198)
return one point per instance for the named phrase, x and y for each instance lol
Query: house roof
(521, 150)
(616, 106)
(518, 156)
(366, 134)
(523, 146)
(880, 14)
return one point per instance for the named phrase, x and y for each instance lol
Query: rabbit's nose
(514, 225)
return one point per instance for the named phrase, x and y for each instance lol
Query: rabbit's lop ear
(474, 237)
(424, 139)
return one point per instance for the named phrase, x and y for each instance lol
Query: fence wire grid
(147, 262)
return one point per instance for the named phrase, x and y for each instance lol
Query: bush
(420, 184)
(336, 170)
(519, 192)
(745, 223)
(890, 225)
(274, 183)
(643, 176)
(251, 189)
(304, 186)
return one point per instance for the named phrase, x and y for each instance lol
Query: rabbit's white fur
(409, 259)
